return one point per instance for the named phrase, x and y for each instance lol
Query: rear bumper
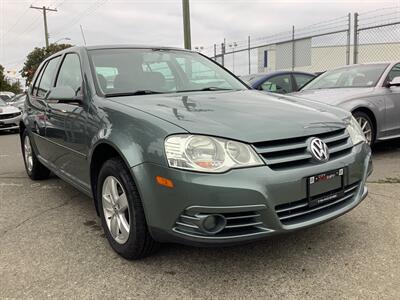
(246, 198)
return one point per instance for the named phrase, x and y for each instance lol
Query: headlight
(208, 154)
(356, 134)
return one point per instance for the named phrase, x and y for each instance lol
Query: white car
(9, 117)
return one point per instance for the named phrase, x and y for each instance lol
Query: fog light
(212, 224)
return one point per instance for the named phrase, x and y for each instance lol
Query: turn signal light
(165, 182)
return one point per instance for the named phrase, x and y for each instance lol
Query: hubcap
(28, 154)
(366, 128)
(116, 209)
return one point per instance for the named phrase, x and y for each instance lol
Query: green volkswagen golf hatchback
(173, 147)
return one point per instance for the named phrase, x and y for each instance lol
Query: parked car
(281, 82)
(10, 117)
(177, 149)
(18, 101)
(371, 92)
(6, 95)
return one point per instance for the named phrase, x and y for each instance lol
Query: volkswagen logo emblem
(319, 150)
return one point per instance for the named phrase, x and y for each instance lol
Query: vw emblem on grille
(319, 150)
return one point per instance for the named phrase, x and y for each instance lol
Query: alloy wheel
(28, 154)
(366, 128)
(116, 209)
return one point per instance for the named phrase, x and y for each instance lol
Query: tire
(34, 168)
(369, 128)
(126, 212)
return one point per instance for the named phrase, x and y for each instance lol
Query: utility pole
(44, 9)
(186, 24)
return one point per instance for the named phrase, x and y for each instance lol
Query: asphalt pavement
(52, 246)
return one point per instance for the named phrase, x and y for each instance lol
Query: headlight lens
(208, 154)
(356, 134)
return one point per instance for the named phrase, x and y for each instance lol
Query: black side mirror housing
(63, 94)
(394, 82)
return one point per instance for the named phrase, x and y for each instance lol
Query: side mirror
(63, 94)
(394, 82)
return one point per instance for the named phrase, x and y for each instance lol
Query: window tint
(302, 79)
(47, 78)
(70, 72)
(281, 84)
(121, 71)
(395, 72)
(36, 85)
(351, 76)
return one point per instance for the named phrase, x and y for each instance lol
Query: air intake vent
(300, 211)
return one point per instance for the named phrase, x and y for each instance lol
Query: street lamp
(65, 38)
(233, 46)
(199, 48)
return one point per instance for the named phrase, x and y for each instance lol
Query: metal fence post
(348, 40)
(248, 44)
(223, 53)
(355, 57)
(215, 52)
(293, 50)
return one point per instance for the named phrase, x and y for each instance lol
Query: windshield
(2, 103)
(147, 71)
(4, 97)
(352, 76)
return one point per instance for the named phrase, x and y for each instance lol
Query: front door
(66, 125)
(392, 104)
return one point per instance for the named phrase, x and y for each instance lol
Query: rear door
(66, 124)
(37, 106)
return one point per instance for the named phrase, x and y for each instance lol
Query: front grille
(9, 116)
(300, 211)
(292, 153)
(7, 125)
(238, 224)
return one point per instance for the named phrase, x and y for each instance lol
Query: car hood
(8, 109)
(247, 115)
(334, 96)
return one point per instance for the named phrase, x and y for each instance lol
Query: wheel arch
(103, 151)
(370, 114)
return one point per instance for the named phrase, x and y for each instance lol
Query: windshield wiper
(133, 93)
(210, 88)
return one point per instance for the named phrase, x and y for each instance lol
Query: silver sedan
(370, 91)
(10, 117)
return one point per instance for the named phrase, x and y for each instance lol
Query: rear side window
(47, 77)
(37, 81)
(70, 72)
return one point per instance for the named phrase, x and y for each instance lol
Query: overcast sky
(159, 22)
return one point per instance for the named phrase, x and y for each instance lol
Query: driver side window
(281, 84)
(70, 73)
(395, 72)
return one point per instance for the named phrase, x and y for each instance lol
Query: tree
(6, 86)
(35, 58)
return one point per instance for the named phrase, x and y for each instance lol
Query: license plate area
(325, 187)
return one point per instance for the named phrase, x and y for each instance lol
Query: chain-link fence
(367, 37)
(377, 35)
(305, 49)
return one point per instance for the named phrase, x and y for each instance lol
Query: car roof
(257, 78)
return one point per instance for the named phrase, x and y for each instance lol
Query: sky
(159, 22)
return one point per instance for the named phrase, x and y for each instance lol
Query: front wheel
(121, 212)
(366, 125)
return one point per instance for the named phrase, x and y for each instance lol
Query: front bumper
(249, 199)
(10, 124)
